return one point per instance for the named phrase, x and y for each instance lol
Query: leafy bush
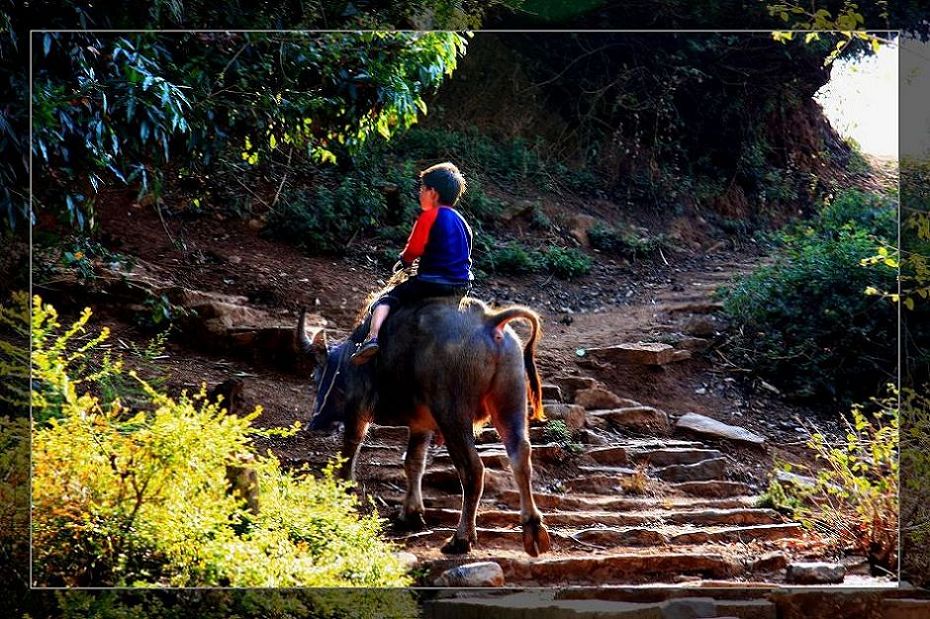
(511, 258)
(130, 497)
(567, 262)
(853, 503)
(805, 322)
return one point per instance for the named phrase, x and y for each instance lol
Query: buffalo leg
(514, 435)
(351, 441)
(411, 517)
(460, 440)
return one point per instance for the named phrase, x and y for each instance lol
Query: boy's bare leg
(377, 319)
(370, 346)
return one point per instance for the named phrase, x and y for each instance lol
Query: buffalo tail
(534, 387)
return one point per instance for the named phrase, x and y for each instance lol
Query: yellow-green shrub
(138, 497)
(853, 503)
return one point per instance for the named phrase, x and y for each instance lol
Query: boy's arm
(416, 244)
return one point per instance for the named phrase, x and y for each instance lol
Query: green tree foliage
(132, 108)
(805, 322)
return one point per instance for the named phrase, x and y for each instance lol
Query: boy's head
(446, 179)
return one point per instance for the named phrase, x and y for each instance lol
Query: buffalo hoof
(412, 522)
(535, 537)
(456, 546)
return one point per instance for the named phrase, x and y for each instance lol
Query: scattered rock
(483, 574)
(572, 414)
(700, 424)
(815, 574)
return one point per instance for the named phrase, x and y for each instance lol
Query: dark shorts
(415, 290)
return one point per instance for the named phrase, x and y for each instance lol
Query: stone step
(639, 418)
(619, 481)
(667, 456)
(610, 455)
(549, 501)
(590, 518)
(612, 538)
(600, 569)
(714, 488)
(645, 444)
(700, 471)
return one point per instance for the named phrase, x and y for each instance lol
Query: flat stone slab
(700, 424)
(815, 573)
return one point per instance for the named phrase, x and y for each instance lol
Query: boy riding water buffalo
(443, 367)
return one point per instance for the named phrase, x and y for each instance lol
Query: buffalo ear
(320, 347)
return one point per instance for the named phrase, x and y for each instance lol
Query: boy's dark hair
(446, 179)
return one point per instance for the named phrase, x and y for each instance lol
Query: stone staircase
(623, 506)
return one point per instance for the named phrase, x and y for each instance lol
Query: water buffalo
(443, 369)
